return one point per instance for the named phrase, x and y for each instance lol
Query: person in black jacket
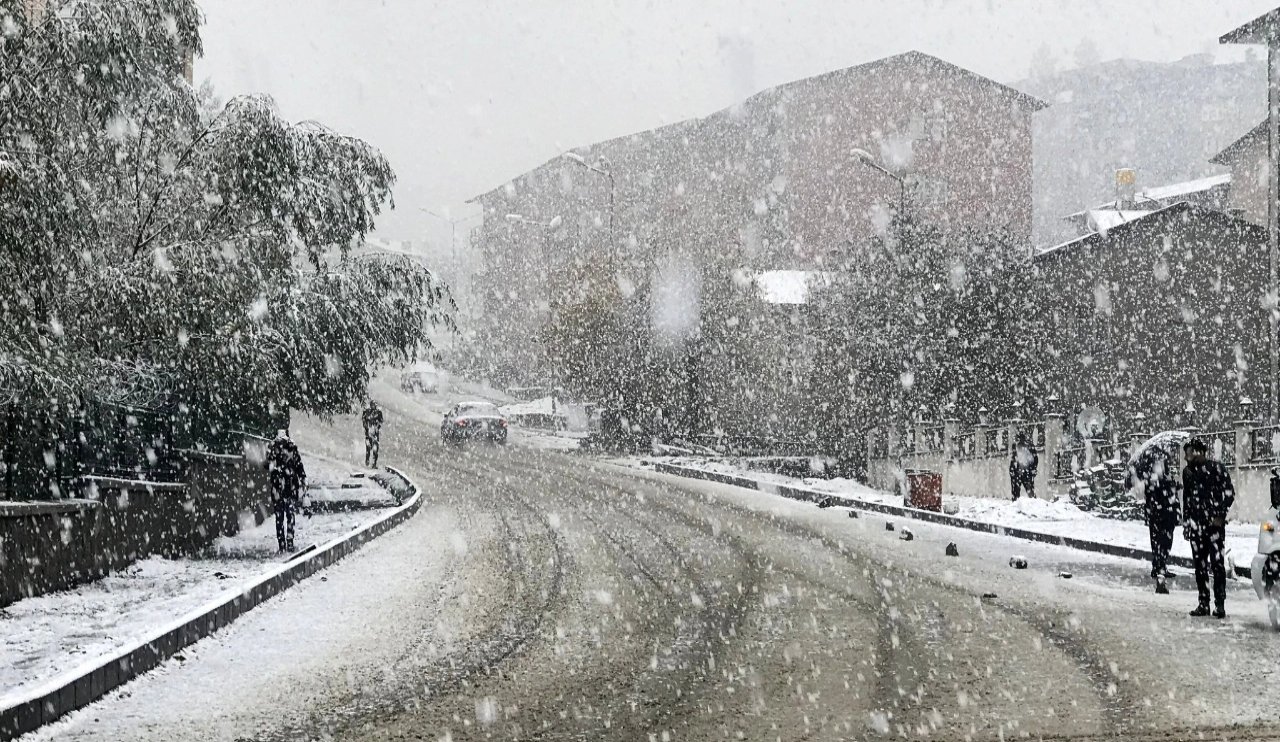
(288, 479)
(372, 419)
(1023, 462)
(1207, 497)
(1152, 479)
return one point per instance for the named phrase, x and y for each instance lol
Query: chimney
(1126, 188)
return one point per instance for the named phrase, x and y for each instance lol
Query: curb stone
(80, 687)
(806, 495)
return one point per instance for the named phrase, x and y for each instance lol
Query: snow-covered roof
(1198, 212)
(1100, 220)
(789, 286)
(1228, 154)
(1157, 196)
(1186, 188)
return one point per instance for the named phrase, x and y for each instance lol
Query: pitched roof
(1265, 29)
(935, 65)
(1151, 219)
(1228, 155)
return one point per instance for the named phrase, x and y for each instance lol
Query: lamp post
(865, 158)
(453, 239)
(579, 160)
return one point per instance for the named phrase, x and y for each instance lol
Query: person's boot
(1220, 611)
(1201, 610)
(1161, 587)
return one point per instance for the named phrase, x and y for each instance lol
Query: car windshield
(481, 409)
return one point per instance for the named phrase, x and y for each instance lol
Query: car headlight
(1268, 526)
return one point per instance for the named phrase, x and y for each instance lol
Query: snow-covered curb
(77, 688)
(816, 496)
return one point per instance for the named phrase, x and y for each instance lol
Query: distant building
(1247, 158)
(771, 183)
(1159, 311)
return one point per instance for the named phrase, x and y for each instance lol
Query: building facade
(1155, 314)
(1247, 158)
(795, 177)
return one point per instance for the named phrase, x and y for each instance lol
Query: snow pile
(1018, 512)
(542, 406)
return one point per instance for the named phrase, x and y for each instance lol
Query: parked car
(420, 379)
(469, 421)
(1265, 570)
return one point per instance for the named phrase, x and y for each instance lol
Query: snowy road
(540, 596)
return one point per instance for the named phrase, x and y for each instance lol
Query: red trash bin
(924, 490)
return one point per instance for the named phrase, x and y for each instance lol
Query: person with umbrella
(1152, 479)
(1208, 496)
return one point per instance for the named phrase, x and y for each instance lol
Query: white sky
(462, 95)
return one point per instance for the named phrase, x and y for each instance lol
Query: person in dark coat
(288, 479)
(1151, 479)
(372, 419)
(1023, 462)
(1207, 497)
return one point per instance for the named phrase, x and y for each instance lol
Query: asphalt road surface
(544, 596)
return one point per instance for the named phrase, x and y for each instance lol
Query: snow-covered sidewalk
(1050, 517)
(54, 633)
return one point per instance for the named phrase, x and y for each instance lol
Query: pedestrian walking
(1152, 479)
(288, 479)
(1023, 462)
(372, 419)
(1207, 497)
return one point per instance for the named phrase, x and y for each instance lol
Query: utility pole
(465, 299)
(1265, 30)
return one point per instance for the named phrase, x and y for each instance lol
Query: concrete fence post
(980, 440)
(919, 453)
(950, 429)
(1053, 445)
(1244, 447)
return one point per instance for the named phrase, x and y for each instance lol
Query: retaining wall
(79, 688)
(55, 545)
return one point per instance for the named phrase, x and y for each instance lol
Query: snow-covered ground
(1054, 517)
(50, 634)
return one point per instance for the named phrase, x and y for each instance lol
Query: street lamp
(453, 236)
(865, 158)
(581, 161)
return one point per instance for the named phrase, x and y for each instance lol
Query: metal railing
(1067, 462)
(1035, 433)
(932, 439)
(1264, 445)
(965, 445)
(997, 442)
(1222, 446)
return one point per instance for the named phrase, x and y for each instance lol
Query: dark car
(470, 421)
